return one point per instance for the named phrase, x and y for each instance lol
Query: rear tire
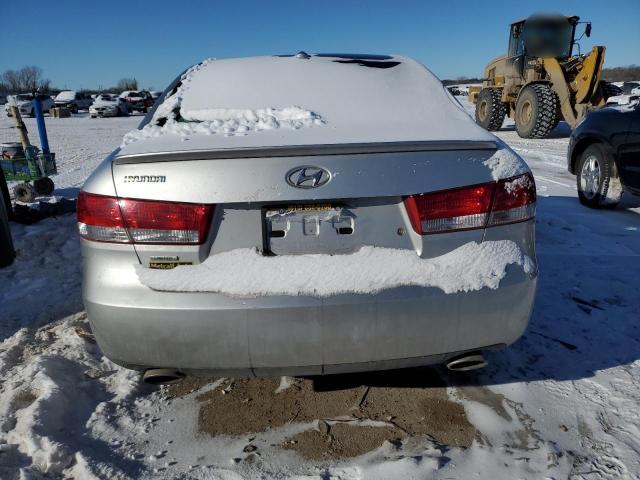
(44, 186)
(490, 111)
(597, 178)
(24, 192)
(7, 252)
(536, 111)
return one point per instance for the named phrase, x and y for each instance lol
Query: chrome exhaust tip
(162, 376)
(466, 362)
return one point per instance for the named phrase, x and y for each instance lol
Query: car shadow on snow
(586, 312)
(563, 130)
(585, 317)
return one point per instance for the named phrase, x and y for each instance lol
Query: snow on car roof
(66, 95)
(288, 100)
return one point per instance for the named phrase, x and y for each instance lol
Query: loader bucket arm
(561, 88)
(585, 86)
(588, 79)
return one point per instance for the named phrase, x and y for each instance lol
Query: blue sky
(88, 44)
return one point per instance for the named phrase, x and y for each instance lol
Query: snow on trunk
(471, 267)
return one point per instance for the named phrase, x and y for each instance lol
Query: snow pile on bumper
(247, 273)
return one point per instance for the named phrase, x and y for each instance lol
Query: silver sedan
(307, 214)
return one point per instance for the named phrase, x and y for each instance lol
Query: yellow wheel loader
(540, 81)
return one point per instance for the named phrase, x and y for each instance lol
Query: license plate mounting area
(316, 228)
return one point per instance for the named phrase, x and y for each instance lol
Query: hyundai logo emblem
(307, 176)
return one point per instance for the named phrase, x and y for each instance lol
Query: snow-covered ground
(563, 402)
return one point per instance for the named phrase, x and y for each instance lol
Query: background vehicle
(24, 103)
(540, 81)
(629, 87)
(307, 183)
(3, 99)
(622, 100)
(139, 101)
(604, 154)
(155, 94)
(73, 100)
(108, 105)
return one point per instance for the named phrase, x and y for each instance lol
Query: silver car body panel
(207, 332)
(362, 189)
(222, 180)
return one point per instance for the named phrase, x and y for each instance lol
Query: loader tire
(559, 117)
(536, 111)
(490, 111)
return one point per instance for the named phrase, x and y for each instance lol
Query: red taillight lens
(514, 201)
(150, 221)
(109, 219)
(100, 219)
(489, 204)
(456, 209)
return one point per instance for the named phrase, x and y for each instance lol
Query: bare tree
(127, 84)
(27, 79)
(11, 78)
(31, 78)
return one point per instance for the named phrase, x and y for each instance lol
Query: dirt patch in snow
(375, 406)
(341, 440)
(421, 411)
(187, 386)
(263, 409)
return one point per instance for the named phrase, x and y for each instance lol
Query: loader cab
(515, 55)
(544, 36)
(549, 36)
(540, 36)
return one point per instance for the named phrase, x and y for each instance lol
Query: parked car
(107, 105)
(155, 95)
(621, 100)
(318, 214)
(628, 87)
(3, 99)
(74, 101)
(604, 154)
(139, 101)
(24, 102)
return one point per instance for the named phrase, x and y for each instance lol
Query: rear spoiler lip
(308, 150)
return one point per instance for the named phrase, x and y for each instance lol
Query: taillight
(124, 220)
(478, 206)
(514, 200)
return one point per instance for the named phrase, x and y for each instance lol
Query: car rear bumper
(104, 113)
(211, 333)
